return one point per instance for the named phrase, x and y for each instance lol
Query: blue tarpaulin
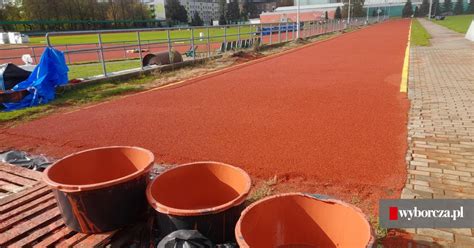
(47, 75)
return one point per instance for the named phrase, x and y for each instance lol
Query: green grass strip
(458, 23)
(419, 35)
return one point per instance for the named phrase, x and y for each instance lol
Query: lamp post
(429, 11)
(298, 20)
(368, 10)
(348, 12)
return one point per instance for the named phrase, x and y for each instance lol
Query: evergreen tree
(222, 11)
(175, 11)
(249, 10)
(222, 20)
(233, 12)
(196, 20)
(470, 8)
(458, 7)
(407, 9)
(448, 6)
(416, 12)
(338, 14)
(435, 8)
(358, 9)
(424, 8)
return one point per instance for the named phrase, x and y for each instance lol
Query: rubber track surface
(329, 113)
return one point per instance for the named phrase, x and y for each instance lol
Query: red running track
(325, 118)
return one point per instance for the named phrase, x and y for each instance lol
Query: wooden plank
(16, 179)
(26, 226)
(21, 194)
(124, 236)
(25, 199)
(96, 240)
(10, 187)
(17, 218)
(35, 175)
(59, 235)
(38, 233)
(25, 207)
(71, 241)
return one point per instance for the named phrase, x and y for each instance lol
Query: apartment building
(4, 3)
(208, 9)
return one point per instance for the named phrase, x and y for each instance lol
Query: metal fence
(104, 53)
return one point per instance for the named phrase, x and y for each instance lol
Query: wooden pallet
(14, 179)
(31, 218)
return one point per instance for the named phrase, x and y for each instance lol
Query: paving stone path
(440, 157)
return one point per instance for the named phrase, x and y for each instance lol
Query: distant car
(439, 18)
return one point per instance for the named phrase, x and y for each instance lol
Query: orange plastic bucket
(101, 189)
(299, 220)
(204, 196)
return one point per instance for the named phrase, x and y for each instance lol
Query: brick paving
(440, 156)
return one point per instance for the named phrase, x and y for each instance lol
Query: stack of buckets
(104, 189)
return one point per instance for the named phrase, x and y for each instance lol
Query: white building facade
(208, 9)
(4, 3)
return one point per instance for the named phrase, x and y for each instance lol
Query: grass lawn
(93, 69)
(144, 36)
(458, 23)
(419, 35)
(85, 94)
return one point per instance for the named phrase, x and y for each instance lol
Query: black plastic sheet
(20, 158)
(185, 239)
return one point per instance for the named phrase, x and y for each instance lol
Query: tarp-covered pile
(11, 75)
(47, 75)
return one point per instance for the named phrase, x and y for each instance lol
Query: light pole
(348, 12)
(368, 10)
(298, 20)
(429, 11)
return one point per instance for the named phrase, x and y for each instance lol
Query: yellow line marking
(406, 62)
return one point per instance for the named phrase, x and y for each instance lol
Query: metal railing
(108, 55)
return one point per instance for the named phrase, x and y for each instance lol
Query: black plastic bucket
(203, 196)
(101, 189)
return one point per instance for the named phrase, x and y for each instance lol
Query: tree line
(229, 13)
(76, 14)
(437, 8)
(58, 15)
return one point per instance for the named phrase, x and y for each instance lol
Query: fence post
(168, 37)
(306, 26)
(34, 55)
(208, 44)
(279, 32)
(101, 54)
(140, 49)
(271, 33)
(225, 37)
(125, 51)
(302, 31)
(295, 30)
(48, 40)
(238, 33)
(67, 55)
(192, 44)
